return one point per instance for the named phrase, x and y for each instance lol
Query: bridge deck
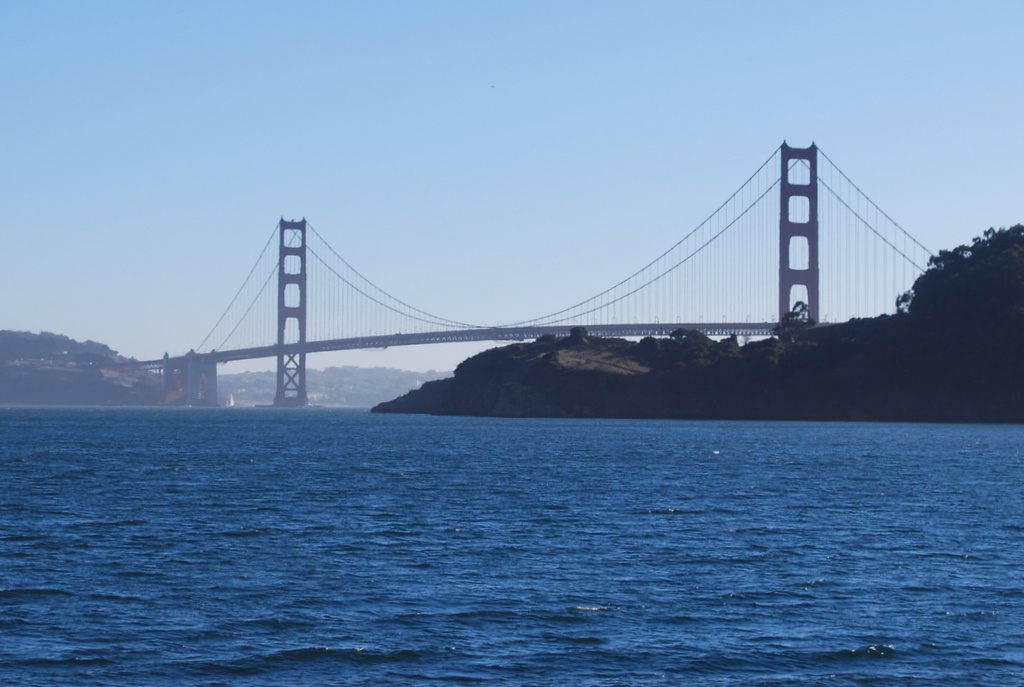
(496, 334)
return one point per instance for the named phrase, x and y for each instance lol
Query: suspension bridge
(797, 230)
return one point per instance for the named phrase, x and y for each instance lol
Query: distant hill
(51, 369)
(954, 352)
(336, 386)
(52, 348)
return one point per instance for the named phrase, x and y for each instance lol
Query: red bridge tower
(798, 224)
(291, 314)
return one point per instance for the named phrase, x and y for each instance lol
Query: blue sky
(485, 161)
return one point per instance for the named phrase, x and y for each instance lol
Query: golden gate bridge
(797, 230)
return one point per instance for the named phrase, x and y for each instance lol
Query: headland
(953, 352)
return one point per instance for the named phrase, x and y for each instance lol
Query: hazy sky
(484, 161)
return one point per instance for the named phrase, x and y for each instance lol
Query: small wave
(360, 655)
(135, 573)
(944, 554)
(31, 591)
(865, 652)
(676, 511)
(488, 613)
(242, 533)
(584, 640)
(97, 524)
(574, 640)
(814, 583)
(69, 661)
(919, 589)
(18, 538)
(268, 623)
(101, 596)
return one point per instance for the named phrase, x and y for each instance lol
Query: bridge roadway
(496, 334)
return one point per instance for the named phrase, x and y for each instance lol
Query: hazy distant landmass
(335, 386)
(953, 352)
(51, 369)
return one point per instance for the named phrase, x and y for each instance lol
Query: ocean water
(266, 547)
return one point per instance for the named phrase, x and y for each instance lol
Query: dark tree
(795, 321)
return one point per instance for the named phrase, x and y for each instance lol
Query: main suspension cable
(239, 293)
(875, 205)
(433, 319)
(643, 269)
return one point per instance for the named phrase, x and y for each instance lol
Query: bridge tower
(798, 228)
(291, 314)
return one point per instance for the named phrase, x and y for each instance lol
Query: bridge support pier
(201, 389)
(189, 380)
(291, 313)
(798, 223)
(173, 380)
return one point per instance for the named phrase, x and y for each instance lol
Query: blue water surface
(316, 546)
